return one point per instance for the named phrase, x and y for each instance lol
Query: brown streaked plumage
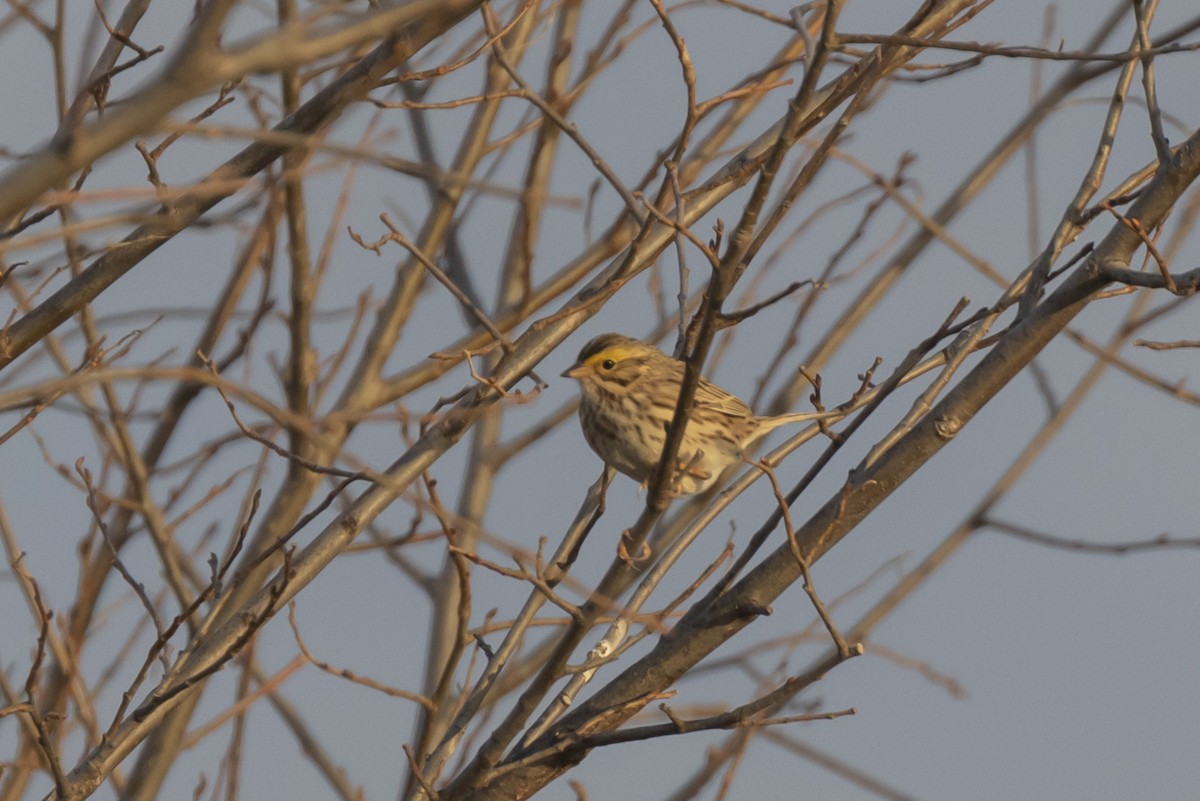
(629, 391)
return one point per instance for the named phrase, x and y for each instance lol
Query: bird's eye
(607, 364)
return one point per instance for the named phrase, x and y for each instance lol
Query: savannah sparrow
(629, 391)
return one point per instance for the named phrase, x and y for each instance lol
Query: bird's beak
(574, 371)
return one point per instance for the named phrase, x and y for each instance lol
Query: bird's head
(612, 360)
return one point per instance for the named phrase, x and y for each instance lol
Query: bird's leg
(690, 468)
(623, 550)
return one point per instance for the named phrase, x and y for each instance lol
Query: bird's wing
(710, 396)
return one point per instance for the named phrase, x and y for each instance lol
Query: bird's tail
(772, 423)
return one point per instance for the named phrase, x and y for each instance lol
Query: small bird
(629, 392)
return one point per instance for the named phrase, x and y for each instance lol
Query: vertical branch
(301, 366)
(1032, 283)
(445, 645)
(1143, 11)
